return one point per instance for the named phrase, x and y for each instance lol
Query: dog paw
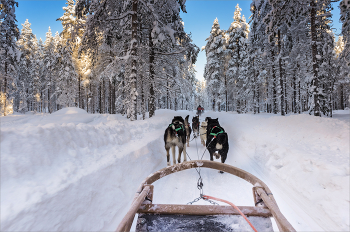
(221, 172)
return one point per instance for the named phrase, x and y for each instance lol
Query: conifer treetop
(237, 14)
(26, 27)
(215, 29)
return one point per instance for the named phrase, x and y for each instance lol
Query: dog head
(177, 124)
(178, 119)
(195, 119)
(204, 124)
(214, 121)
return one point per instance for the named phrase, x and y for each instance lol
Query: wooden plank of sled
(148, 222)
(126, 223)
(203, 210)
(282, 222)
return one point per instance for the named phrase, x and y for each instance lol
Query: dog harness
(177, 129)
(216, 134)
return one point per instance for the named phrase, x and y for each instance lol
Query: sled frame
(141, 204)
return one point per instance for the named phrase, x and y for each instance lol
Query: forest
(132, 57)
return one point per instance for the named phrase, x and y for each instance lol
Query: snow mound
(70, 110)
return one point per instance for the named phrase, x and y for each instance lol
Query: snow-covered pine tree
(213, 73)
(8, 55)
(237, 73)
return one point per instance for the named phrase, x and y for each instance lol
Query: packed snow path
(73, 171)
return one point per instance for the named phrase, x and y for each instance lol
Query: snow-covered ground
(73, 171)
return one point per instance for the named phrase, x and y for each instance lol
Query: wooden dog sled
(167, 217)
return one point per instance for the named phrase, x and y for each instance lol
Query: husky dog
(195, 126)
(203, 132)
(188, 130)
(175, 135)
(217, 140)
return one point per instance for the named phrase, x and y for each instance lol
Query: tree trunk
(294, 105)
(79, 96)
(48, 95)
(133, 90)
(341, 96)
(100, 98)
(167, 94)
(281, 73)
(151, 103)
(274, 93)
(314, 82)
(5, 86)
(226, 103)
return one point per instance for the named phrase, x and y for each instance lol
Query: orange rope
(234, 206)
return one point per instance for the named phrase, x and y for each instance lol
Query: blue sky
(198, 19)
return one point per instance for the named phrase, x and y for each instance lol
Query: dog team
(212, 135)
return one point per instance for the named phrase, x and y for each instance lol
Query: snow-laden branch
(123, 15)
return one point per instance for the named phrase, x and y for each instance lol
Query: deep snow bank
(304, 157)
(60, 171)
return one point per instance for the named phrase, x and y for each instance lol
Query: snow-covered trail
(73, 171)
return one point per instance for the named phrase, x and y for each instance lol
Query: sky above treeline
(198, 19)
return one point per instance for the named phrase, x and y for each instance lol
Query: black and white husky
(217, 140)
(195, 126)
(175, 136)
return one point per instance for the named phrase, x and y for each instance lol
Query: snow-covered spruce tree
(66, 81)
(276, 29)
(345, 19)
(37, 66)
(48, 71)
(9, 55)
(316, 16)
(344, 58)
(299, 65)
(170, 44)
(27, 45)
(214, 71)
(259, 57)
(237, 73)
(73, 29)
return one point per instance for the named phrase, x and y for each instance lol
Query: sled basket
(173, 217)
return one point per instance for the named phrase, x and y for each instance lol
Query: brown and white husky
(203, 132)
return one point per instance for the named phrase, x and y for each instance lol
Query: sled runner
(170, 217)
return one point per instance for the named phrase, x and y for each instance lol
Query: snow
(74, 171)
